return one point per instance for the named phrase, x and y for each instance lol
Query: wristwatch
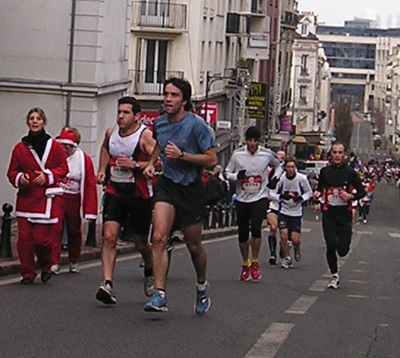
(181, 154)
(137, 165)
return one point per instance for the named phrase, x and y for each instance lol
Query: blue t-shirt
(191, 135)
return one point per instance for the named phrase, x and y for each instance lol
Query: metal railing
(159, 14)
(150, 82)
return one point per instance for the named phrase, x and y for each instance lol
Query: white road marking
(302, 305)
(364, 232)
(358, 296)
(357, 281)
(319, 285)
(270, 341)
(394, 235)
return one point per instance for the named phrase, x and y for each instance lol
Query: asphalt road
(289, 313)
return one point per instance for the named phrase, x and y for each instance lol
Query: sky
(335, 12)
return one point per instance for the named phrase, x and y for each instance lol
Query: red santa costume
(37, 207)
(79, 200)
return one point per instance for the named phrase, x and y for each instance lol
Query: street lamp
(210, 79)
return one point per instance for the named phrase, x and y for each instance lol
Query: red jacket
(36, 202)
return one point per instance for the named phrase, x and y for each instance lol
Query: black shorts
(189, 201)
(291, 223)
(250, 215)
(117, 208)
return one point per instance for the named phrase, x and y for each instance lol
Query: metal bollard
(91, 234)
(5, 242)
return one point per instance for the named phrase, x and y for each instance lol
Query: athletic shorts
(117, 208)
(250, 215)
(291, 223)
(273, 211)
(189, 201)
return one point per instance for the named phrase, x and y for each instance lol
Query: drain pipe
(70, 62)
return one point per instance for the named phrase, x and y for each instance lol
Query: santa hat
(67, 137)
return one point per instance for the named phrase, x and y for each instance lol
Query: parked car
(312, 166)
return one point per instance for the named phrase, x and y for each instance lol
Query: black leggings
(337, 228)
(253, 213)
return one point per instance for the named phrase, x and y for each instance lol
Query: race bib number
(252, 184)
(121, 175)
(333, 197)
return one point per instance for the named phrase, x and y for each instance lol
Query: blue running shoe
(157, 303)
(203, 302)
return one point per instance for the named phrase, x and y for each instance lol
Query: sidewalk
(10, 266)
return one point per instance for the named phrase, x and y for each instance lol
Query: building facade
(205, 42)
(68, 57)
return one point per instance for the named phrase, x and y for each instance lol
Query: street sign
(211, 112)
(224, 125)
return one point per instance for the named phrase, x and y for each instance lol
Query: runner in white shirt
(249, 167)
(272, 217)
(292, 190)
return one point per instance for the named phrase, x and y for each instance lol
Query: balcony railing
(150, 82)
(258, 7)
(159, 14)
(289, 19)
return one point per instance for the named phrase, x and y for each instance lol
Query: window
(303, 94)
(155, 61)
(304, 64)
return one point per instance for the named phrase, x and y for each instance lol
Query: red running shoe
(255, 271)
(245, 275)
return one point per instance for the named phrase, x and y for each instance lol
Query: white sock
(201, 286)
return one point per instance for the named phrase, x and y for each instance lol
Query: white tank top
(124, 145)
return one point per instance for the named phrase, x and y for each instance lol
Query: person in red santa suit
(37, 165)
(78, 202)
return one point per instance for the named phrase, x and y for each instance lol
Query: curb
(11, 266)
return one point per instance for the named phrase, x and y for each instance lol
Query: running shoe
(334, 284)
(148, 286)
(245, 275)
(55, 269)
(26, 280)
(272, 259)
(157, 303)
(46, 276)
(203, 301)
(297, 253)
(73, 267)
(255, 271)
(105, 294)
(287, 263)
(365, 221)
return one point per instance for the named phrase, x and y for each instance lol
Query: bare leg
(108, 249)
(244, 250)
(284, 242)
(255, 247)
(192, 235)
(164, 215)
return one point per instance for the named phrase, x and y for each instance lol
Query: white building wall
(34, 53)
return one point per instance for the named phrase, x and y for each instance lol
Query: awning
(299, 139)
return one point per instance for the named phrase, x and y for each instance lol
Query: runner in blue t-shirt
(185, 146)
